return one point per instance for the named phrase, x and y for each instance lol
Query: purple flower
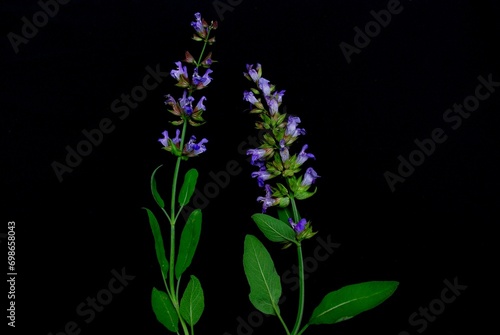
(164, 140)
(261, 175)
(248, 96)
(303, 156)
(200, 105)
(299, 226)
(254, 73)
(198, 25)
(181, 71)
(268, 200)
(284, 153)
(291, 127)
(264, 86)
(186, 103)
(201, 81)
(170, 100)
(257, 154)
(274, 101)
(195, 149)
(309, 177)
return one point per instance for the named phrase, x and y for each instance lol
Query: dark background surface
(360, 116)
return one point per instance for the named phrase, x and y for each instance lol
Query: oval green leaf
(154, 191)
(265, 284)
(192, 302)
(159, 247)
(351, 300)
(188, 187)
(164, 310)
(274, 229)
(285, 213)
(188, 243)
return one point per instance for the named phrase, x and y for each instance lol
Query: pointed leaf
(188, 187)
(285, 213)
(274, 229)
(189, 241)
(159, 247)
(154, 191)
(192, 302)
(351, 300)
(164, 310)
(265, 284)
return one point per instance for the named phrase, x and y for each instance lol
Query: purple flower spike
(299, 226)
(309, 177)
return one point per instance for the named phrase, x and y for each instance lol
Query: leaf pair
(191, 306)
(186, 192)
(336, 306)
(190, 237)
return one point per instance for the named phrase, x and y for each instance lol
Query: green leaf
(265, 284)
(156, 195)
(160, 249)
(351, 300)
(189, 241)
(275, 230)
(164, 310)
(192, 302)
(285, 213)
(188, 186)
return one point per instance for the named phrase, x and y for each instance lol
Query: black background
(359, 116)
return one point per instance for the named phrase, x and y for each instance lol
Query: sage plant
(180, 303)
(285, 180)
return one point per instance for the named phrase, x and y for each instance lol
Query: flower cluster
(274, 157)
(187, 109)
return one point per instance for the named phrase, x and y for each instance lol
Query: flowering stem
(173, 219)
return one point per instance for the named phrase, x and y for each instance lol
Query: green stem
(283, 323)
(205, 42)
(300, 257)
(300, 311)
